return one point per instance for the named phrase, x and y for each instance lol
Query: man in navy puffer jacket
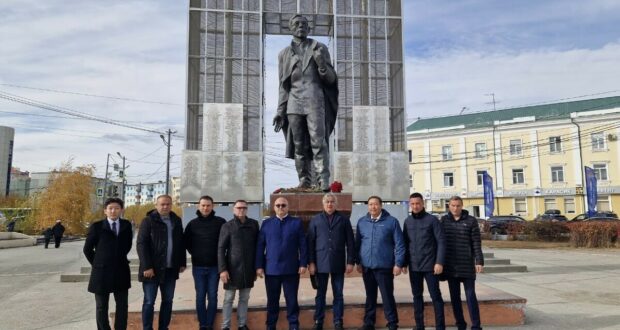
(381, 256)
(425, 253)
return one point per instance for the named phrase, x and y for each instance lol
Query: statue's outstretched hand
(319, 58)
(278, 122)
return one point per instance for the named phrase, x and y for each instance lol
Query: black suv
(498, 224)
(552, 216)
(601, 216)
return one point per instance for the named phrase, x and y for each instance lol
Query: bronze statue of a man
(308, 104)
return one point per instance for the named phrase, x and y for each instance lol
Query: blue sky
(457, 53)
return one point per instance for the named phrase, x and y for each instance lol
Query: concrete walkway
(565, 289)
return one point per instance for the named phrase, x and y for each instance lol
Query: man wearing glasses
(236, 258)
(281, 256)
(331, 250)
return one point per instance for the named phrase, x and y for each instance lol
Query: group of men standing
(238, 251)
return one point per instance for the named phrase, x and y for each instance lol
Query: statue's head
(298, 25)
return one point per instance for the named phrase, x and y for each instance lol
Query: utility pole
(167, 144)
(123, 183)
(105, 181)
(493, 96)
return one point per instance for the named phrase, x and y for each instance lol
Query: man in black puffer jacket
(425, 247)
(201, 239)
(463, 260)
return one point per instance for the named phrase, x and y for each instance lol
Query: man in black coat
(58, 230)
(425, 247)
(329, 236)
(201, 237)
(463, 260)
(236, 261)
(47, 235)
(107, 245)
(162, 257)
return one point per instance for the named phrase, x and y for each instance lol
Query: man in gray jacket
(425, 253)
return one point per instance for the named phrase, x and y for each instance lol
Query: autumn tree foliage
(138, 212)
(68, 197)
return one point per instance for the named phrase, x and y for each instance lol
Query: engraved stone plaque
(371, 129)
(191, 175)
(222, 127)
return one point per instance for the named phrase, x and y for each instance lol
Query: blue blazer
(281, 247)
(327, 243)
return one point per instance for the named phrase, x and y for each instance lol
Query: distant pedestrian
(162, 257)
(236, 261)
(200, 239)
(47, 234)
(107, 245)
(58, 230)
(10, 226)
(463, 260)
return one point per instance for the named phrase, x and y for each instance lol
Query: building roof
(540, 112)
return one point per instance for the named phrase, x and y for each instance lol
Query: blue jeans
(384, 280)
(337, 286)
(150, 294)
(454, 283)
(417, 288)
(206, 280)
(274, 285)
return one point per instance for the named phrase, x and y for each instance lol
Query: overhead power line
(116, 98)
(66, 111)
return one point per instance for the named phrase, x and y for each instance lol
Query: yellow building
(536, 156)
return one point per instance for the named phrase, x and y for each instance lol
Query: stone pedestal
(307, 205)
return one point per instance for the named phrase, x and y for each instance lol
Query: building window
(480, 177)
(598, 141)
(446, 152)
(600, 171)
(550, 204)
(569, 205)
(602, 204)
(520, 205)
(448, 179)
(481, 150)
(410, 180)
(410, 156)
(557, 174)
(517, 176)
(515, 147)
(555, 144)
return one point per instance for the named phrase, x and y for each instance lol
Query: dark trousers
(102, 303)
(150, 294)
(417, 288)
(338, 305)
(274, 285)
(383, 279)
(57, 241)
(310, 145)
(454, 283)
(47, 241)
(206, 280)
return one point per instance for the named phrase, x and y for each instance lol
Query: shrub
(593, 234)
(546, 231)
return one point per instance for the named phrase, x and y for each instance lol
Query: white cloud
(442, 85)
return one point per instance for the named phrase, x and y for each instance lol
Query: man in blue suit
(281, 256)
(329, 236)
(381, 256)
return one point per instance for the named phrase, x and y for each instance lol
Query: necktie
(114, 228)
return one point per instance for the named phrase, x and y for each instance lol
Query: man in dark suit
(106, 248)
(162, 257)
(58, 230)
(329, 236)
(281, 255)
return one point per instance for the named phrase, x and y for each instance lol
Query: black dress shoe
(338, 326)
(392, 326)
(317, 326)
(367, 327)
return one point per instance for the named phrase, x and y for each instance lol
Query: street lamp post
(122, 177)
(167, 144)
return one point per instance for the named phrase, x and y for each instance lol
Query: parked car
(598, 215)
(498, 224)
(551, 215)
